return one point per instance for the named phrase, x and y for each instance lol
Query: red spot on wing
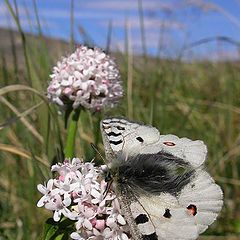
(192, 209)
(169, 143)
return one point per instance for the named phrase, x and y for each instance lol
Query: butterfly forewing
(127, 138)
(113, 133)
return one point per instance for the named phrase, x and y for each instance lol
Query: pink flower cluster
(80, 193)
(88, 78)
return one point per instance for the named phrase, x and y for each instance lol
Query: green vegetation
(199, 100)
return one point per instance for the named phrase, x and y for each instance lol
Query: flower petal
(75, 236)
(121, 220)
(87, 224)
(42, 189)
(56, 216)
(41, 201)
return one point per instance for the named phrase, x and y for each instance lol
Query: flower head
(87, 78)
(79, 193)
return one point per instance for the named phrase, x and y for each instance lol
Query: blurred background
(179, 61)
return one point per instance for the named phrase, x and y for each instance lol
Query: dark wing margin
(112, 130)
(109, 153)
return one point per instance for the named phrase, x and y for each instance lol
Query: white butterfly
(162, 188)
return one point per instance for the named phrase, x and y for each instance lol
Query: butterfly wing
(129, 139)
(193, 152)
(138, 220)
(165, 216)
(125, 137)
(205, 196)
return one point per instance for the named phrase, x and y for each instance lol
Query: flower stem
(71, 135)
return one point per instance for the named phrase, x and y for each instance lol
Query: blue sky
(169, 24)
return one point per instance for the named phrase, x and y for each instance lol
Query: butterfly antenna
(109, 184)
(96, 149)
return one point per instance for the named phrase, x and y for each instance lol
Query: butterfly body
(162, 188)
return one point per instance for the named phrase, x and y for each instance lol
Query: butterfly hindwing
(203, 197)
(170, 220)
(141, 227)
(187, 214)
(166, 216)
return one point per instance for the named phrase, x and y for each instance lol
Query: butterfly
(162, 187)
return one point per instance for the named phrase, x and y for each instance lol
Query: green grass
(199, 100)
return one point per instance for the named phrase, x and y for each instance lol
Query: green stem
(23, 37)
(71, 135)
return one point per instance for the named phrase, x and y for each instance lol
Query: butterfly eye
(170, 144)
(140, 139)
(192, 209)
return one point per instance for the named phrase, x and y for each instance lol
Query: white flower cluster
(88, 78)
(79, 193)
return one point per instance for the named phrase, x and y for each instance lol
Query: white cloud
(78, 14)
(152, 42)
(121, 5)
(152, 23)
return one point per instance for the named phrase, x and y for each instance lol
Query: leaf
(58, 230)
(50, 228)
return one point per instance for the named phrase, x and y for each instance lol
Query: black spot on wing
(141, 218)
(114, 134)
(140, 139)
(115, 142)
(167, 213)
(152, 236)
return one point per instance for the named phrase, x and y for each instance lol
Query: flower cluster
(88, 78)
(80, 193)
